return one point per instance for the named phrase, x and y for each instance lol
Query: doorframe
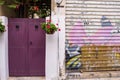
(4, 62)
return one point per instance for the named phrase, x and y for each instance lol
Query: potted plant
(49, 27)
(2, 27)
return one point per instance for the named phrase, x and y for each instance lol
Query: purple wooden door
(26, 47)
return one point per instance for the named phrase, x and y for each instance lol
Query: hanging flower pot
(2, 27)
(49, 27)
(51, 32)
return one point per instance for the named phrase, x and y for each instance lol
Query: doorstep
(26, 78)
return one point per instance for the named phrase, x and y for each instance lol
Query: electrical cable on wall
(58, 2)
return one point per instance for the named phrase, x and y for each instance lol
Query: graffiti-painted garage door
(92, 35)
(26, 47)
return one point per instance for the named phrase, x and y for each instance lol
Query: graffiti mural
(72, 56)
(107, 35)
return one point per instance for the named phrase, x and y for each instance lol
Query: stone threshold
(26, 78)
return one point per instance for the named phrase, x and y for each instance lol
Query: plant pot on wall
(49, 27)
(51, 32)
(2, 27)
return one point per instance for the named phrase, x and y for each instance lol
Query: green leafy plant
(49, 27)
(41, 12)
(2, 2)
(2, 27)
(27, 8)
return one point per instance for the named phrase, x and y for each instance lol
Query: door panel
(37, 62)
(37, 48)
(17, 65)
(17, 47)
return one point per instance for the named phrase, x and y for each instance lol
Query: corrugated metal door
(92, 35)
(26, 47)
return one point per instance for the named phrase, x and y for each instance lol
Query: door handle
(30, 42)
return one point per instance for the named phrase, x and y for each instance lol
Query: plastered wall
(4, 50)
(6, 11)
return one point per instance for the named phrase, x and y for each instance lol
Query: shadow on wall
(6, 11)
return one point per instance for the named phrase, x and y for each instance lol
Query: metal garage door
(92, 35)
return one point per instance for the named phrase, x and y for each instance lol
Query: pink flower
(17, 6)
(57, 24)
(48, 20)
(48, 26)
(36, 8)
(59, 29)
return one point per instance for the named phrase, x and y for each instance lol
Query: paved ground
(98, 79)
(43, 78)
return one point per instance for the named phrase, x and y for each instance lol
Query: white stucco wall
(51, 56)
(55, 45)
(4, 50)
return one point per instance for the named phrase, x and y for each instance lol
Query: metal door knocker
(17, 27)
(36, 27)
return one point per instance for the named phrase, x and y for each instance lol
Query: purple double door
(26, 47)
